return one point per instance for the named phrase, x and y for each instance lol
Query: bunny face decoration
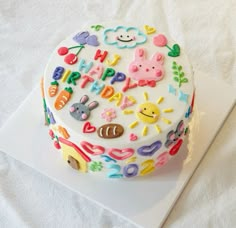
(145, 69)
(80, 111)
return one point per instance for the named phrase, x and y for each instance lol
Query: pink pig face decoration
(145, 69)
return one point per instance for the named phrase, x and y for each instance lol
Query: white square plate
(143, 201)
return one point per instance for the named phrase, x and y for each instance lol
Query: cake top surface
(118, 83)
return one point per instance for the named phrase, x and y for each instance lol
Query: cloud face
(124, 37)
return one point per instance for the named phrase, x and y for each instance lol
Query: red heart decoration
(92, 149)
(120, 154)
(174, 150)
(88, 128)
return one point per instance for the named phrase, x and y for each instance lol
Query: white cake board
(143, 201)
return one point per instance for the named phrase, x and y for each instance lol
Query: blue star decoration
(183, 97)
(171, 89)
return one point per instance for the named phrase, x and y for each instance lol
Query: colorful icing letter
(80, 111)
(115, 173)
(58, 72)
(130, 170)
(144, 69)
(148, 167)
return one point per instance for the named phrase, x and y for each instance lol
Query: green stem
(169, 47)
(81, 47)
(74, 47)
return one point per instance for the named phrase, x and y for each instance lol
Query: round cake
(118, 99)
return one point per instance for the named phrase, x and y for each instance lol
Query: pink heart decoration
(92, 149)
(133, 137)
(120, 154)
(88, 128)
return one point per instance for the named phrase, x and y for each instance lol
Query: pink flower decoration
(108, 114)
(160, 40)
(162, 159)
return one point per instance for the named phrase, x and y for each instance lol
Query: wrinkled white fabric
(30, 30)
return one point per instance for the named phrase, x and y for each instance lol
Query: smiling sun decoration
(149, 113)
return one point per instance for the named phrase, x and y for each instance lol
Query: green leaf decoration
(179, 75)
(176, 79)
(175, 51)
(176, 72)
(184, 80)
(174, 68)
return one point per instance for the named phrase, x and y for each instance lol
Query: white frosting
(75, 127)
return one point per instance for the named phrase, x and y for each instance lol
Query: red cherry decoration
(174, 150)
(62, 50)
(57, 145)
(51, 133)
(71, 59)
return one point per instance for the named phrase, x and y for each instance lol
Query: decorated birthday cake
(118, 99)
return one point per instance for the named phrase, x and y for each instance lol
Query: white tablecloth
(29, 31)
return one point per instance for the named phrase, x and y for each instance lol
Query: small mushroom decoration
(80, 111)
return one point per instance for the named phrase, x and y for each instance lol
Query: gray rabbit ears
(92, 105)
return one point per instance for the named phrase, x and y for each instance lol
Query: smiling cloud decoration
(124, 37)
